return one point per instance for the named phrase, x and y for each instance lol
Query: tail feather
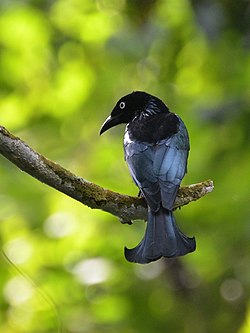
(162, 239)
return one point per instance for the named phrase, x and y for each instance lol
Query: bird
(156, 148)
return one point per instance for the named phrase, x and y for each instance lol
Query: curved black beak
(108, 123)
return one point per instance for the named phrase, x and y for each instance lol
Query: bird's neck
(153, 128)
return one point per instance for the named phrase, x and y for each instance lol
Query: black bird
(156, 146)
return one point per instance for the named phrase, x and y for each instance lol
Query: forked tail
(162, 239)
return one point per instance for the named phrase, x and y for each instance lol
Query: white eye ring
(122, 105)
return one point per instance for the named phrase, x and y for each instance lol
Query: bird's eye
(122, 105)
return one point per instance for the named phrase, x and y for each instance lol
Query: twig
(125, 207)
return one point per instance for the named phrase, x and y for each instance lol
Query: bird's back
(156, 152)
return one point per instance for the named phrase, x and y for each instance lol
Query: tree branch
(125, 207)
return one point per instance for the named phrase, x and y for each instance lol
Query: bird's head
(138, 104)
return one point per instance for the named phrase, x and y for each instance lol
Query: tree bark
(126, 208)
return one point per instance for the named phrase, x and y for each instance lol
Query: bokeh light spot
(231, 290)
(92, 271)
(17, 290)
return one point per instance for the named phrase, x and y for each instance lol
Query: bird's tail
(162, 239)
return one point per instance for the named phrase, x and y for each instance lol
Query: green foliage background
(63, 66)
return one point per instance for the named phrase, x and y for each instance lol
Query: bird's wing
(139, 157)
(158, 169)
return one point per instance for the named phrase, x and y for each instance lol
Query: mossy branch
(127, 208)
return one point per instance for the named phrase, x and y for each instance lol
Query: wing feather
(158, 169)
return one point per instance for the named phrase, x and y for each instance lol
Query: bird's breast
(127, 138)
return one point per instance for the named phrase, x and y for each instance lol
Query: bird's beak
(108, 123)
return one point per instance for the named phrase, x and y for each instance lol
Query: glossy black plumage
(156, 147)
